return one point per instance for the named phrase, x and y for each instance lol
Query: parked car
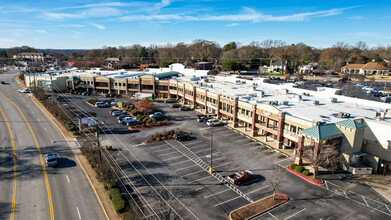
(156, 114)
(386, 99)
(160, 118)
(133, 123)
(115, 102)
(170, 101)
(117, 113)
(128, 120)
(51, 159)
(24, 90)
(114, 110)
(176, 105)
(213, 122)
(182, 137)
(124, 118)
(101, 104)
(185, 108)
(241, 176)
(2, 82)
(202, 118)
(121, 117)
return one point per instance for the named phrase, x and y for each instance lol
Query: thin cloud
(356, 17)
(248, 14)
(101, 27)
(232, 24)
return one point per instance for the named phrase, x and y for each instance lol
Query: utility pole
(211, 146)
(98, 143)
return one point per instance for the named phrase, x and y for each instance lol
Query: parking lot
(166, 167)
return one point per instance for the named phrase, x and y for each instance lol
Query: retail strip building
(281, 115)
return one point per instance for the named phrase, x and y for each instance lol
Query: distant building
(34, 56)
(277, 66)
(111, 60)
(203, 65)
(371, 68)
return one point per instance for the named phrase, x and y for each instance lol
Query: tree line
(244, 56)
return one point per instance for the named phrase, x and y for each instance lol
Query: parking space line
(204, 145)
(294, 214)
(196, 152)
(257, 190)
(223, 164)
(217, 193)
(157, 151)
(200, 188)
(183, 168)
(162, 155)
(172, 158)
(161, 145)
(181, 162)
(229, 200)
(240, 140)
(204, 128)
(272, 215)
(193, 142)
(189, 174)
(253, 148)
(200, 179)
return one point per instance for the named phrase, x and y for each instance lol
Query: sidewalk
(380, 183)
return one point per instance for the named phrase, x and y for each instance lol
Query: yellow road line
(40, 157)
(14, 156)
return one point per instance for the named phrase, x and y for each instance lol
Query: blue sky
(85, 24)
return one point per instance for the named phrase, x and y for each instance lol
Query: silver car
(51, 159)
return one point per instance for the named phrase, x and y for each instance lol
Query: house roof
(368, 66)
(112, 59)
(166, 74)
(278, 63)
(321, 131)
(349, 123)
(374, 66)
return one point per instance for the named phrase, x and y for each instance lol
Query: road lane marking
(38, 119)
(172, 158)
(183, 168)
(45, 129)
(294, 214)
(203, 129)
(181, 162)
(40, 157)
(217, 193)
(272, 215)
(200, 179)
(194, 173)
(163, 155)
(67, 178)
(165, 149)
(14, 159)
(77, 208)
(257, 190)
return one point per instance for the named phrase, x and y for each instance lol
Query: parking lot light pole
(211, 145)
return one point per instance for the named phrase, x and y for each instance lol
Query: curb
(81, 166)
(258, 214)
(131, 129)
(303, 177)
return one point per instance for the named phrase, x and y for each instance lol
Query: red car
(241, 176)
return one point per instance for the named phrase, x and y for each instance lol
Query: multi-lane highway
(29, 189)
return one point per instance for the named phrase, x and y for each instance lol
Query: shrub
(113, 192)
(105, 184)
(298, 169)
(133, 112)
(126, 216)
(305, 173)
(292, 166)
(118, 203)
(145, 119)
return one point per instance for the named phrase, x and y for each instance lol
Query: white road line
(38, 119)
(180, 162)
(196, 152)
(203, 129)
(223, 164)
(194, 173)
(162, 145)
(229, 200)
(193, 142)
(67, 178)
(257, 190)
(172, 158)
(200, 179)
(44, 129)
(187, 167)
(294, 214)
(199, 188)
(162, 155)
(217, 193)
(165, 149)
(78, 212)
(240, 140)
(272, 215)
(253, 148)
(204, 145)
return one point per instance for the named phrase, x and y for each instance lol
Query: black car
(202, 118)
(182, 137)
(160, 118)
(185, 108)
(170, 101)
(2, 82)
(176, 105)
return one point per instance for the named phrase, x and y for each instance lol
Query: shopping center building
(282, 116)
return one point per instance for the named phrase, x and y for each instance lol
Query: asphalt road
(65, 193)
(161, 167)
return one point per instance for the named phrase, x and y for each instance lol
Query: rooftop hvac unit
(243, 82)
(334, 100)
(284, 91)
(284, 103)
(380, 115)
(299, 97)
(316, 102)
(343, 115)
(306, 94)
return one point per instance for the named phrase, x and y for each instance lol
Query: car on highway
(24, 90)
(241, 176)
(176, 105)
(182, 137)
(185, 108)
(213, 122)
(51, 159)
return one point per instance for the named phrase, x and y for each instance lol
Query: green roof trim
(321, 131)
(166, 74)
(349, 123)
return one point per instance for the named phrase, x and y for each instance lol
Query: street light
(211, 145)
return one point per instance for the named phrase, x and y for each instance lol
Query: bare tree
(275, 180)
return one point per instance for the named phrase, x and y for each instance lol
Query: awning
(359, 154)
